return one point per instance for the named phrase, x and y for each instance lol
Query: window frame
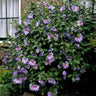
(8, 18)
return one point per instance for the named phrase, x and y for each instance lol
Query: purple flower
(37, 24)
(26, 31)
(30, 85)
(38, 2)
(30, 16)
(47, 62)
(62, 51)
(80, 16)
(77, 78)
(74, 69)
(4, 60)
(25, 42)
(9, 53)
(77, 45)
(34, 55)
(24, 77)
(50, 55)
(78, 68)
(72, 28)
(59, 67)
(17, 59)
(79, 38)
(50, 94)
(6, 56)
(32, 62)
(24, 70)
(42, 82)
(25, 60)
(52, 81)
(64, 73)
(17, 81)
(34, 87)
(74, 8)
(42, 53)
(69, 58)
(15, 73)
(15, 32)
(65, 65)
(21, 54)
(35, 66)
(56, 37)
(68, 8)
(18, 48)
(79, 23)
(37, 50)
(53, 28)
(28, 66)
(64, 77)
(62, 8)
(63, 33)
(51, 60)
(75, 30)
(18, 67)
(51, 7)
(6, 68)
(82, 71)
(44, 3)
(26, 21)
(46, 21)
(49, 36)
(64, 15)
(50, 50)
(68, 35)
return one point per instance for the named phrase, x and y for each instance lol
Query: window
(9, 10)
(94, 6)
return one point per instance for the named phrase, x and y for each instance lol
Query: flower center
(78, 37)
(18, 79)
(49, 55)
(74, 8)
(35, 87)
(32, 62)
(26, 31)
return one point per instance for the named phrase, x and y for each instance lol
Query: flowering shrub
(50, 47)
